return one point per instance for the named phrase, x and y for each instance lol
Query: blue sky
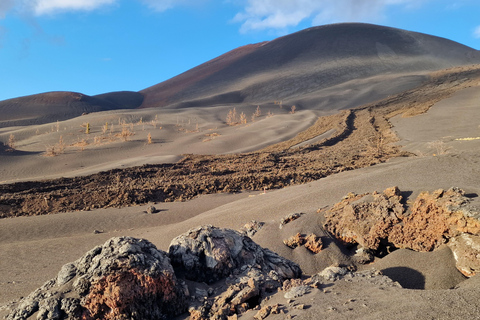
(98, 46)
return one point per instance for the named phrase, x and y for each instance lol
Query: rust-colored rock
(313, 243)
(263, 313)
(435, 218)
(126, 278)
(295, 241)
(289, 218)
(365, 219)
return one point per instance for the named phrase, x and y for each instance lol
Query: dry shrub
(81, 144)
(61, 145)
(105, 128)
(292, 109)
(50, 151)
(376, 146)
(232, 117)
(11, 143)
(243, 118)
(439, 147)
(149, 138)
(210, 136)
(126, 132)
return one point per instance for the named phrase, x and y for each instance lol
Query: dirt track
(362, 138)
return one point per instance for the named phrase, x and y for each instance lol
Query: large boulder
(365, 219)
(126, 278)
(207, 254)
(440, 217)
(435, 217)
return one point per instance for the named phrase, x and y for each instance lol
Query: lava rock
(126, 278)
(207, 254)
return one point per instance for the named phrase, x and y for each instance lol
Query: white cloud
(476, 32)
(163, 5)
(279, 14)
(41, 7)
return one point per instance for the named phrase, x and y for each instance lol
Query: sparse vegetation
(232, 117)
(81, 144)
(292, 109)
(149, 138)
(105, 128)
(61, 145)
(256, 114)
(210, 136)
(11, 143)
(126, 132)
(50, 151)
(243, 118)
(439, 147)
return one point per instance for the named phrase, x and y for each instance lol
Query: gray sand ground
(33, 249)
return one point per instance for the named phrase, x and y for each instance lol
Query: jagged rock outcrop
(252, 227)
(208, 254)
(295, 241)
(434, 219)
(245, 292)
(312, 242)
(289, 218)
(126, 278)
(365, 219)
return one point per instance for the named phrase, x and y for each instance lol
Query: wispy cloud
(163, 5)
(279, 14)
(41, 7)
(476, 32)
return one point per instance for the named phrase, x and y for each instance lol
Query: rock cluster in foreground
(376, 221)
(130, 278)
(126, 278)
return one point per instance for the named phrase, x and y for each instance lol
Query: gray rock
(333, 273)
(466, 251)
(296, 292)
(208, 254)
(151, 210)
(126, 278)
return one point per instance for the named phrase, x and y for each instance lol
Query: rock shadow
(407, 277)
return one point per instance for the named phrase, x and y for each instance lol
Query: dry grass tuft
(126, 132)
(439, 147)
(11, 143)
(210, 136)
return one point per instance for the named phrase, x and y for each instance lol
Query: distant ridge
(61, 105)
(294, 68)
(306, 61)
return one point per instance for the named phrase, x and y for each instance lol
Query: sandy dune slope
(400, 109)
